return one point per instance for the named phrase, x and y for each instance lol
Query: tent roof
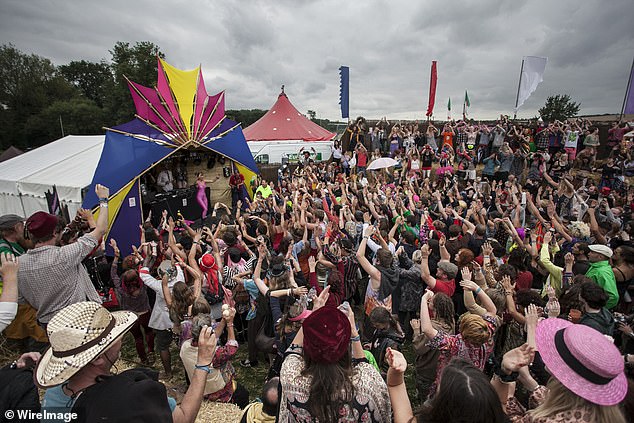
(10, 153)
(284, 122)
(67, 162)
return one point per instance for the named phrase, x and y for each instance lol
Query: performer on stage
(236, 182)
(201, 195)
(165, 180)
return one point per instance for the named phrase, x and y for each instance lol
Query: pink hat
(416, 198)
(583, 360)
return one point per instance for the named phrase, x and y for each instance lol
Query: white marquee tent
(68, 163)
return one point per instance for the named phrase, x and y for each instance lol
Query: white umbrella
(382, 163)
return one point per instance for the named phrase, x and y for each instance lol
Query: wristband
(355, 338)
(203, 367)
(502, 376)
(103, 199)
(105, 205)
(477, 291)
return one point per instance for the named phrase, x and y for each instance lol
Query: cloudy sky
(251, 48)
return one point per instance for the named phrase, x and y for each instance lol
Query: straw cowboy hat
(583, 360)
(78, 334)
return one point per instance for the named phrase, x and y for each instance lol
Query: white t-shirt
(572, 138)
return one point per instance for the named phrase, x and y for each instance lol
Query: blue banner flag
(344, 91)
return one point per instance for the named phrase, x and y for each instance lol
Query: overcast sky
(251, 48)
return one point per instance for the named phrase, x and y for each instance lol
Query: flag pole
(627, 90)
(519, 83)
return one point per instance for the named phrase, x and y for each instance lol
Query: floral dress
(371, 402)
(517, 413)
(451, 346)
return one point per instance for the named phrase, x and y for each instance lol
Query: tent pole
(627, 90)
(519, 83)
(22, 204)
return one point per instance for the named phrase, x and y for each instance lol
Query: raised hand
(428, 295)
(548, 236)
(369, 231)
(532, 315)
(415, 324)
(312, 265)
(396, 360)
(517, 358)
(321, 299)
(553, 308)
(466, 274)
(487, 249)
(115, 248)
(8, 265)
(469, 285)
(507, 284)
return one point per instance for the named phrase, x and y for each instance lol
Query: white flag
(532, 74)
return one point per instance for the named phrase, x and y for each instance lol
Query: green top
(11, 247)
(556, 272)
(601, 272)
(266, 191)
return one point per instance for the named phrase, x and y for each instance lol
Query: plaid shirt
(51, 278)
(461, 138)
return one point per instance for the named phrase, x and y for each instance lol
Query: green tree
(94, 80)
(245, 116)
(139, 63)
(28, 84)
(559, 107)
(312, 115)
(79, 116)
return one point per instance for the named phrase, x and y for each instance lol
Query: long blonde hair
(560, 399)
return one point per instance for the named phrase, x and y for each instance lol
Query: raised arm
(425, 321)
(102, 221)
(425, 275)
(444, 254)
(479, 293)
(375, 275)
(166, 291)
(401, 406)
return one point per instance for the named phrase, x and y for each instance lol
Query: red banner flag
(432, 89)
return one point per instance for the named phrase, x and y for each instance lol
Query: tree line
(39, 100)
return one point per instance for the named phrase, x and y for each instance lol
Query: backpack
(17, 391)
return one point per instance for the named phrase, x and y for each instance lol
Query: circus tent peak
(284, 122)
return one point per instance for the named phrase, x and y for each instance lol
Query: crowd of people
(498, 258)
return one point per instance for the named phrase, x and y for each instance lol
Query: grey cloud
(250, 48)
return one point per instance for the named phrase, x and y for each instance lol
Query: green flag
(466, 99)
